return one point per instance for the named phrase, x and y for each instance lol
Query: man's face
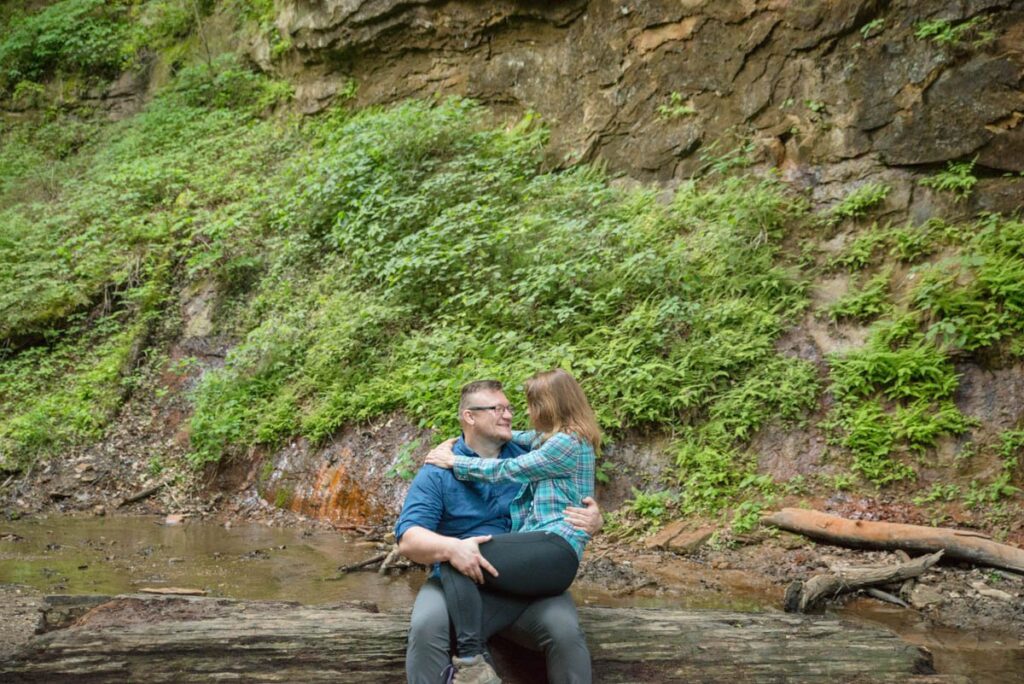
(494, 425)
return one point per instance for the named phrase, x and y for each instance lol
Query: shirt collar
(460, 448)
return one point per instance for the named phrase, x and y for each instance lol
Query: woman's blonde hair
(558, 404)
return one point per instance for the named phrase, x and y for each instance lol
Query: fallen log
(803, 596)
(958, 544)
(172, 639)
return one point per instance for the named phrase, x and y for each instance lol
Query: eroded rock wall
(828, 91)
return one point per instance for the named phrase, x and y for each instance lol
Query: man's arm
(420, 545)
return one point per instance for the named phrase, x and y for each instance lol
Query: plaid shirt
(556, 473)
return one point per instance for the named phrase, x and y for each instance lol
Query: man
(446, 520)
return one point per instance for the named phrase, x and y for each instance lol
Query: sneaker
(474, 670)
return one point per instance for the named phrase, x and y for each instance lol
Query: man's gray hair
(477, 386)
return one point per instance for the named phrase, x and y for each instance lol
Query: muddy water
(125, 554)
(984, 656)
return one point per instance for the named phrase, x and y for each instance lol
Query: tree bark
(959, 544)
(157, 639)
(802, 596)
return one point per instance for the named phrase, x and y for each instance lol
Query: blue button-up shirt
(440, 503)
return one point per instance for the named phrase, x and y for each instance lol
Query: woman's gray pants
(551, 624)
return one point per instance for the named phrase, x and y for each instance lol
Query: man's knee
(561, 628)
(554, 623)
(427, 650)
(428, 629)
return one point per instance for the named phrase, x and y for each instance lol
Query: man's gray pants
(552, 624)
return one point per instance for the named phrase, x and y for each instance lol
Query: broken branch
(802, 596)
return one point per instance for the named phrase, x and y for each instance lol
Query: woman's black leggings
(529, 564)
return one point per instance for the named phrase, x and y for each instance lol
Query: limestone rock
(801, 79)
(662, 537)
(924, 596)
(689, 542)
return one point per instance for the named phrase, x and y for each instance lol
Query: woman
(542, 554)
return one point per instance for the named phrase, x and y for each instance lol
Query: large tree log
(172, 639)
(959, 544)
(802, 596)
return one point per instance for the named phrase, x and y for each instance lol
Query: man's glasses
(497, 408)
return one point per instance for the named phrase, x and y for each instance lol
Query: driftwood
(389, 560)
(174, 639)
(958, 544)
(372, 560)
(802, 596)
(139, 496)
(885, 596)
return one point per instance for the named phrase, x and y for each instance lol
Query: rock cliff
(829, 92)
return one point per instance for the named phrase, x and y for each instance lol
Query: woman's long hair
(558, 404)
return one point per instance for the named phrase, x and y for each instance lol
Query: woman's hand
(442, 455)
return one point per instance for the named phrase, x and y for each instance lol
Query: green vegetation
(893, 394)
(403, 275)
(957, 178)
(938, 492)
(96, 224)
(976, 299)
(865, 304)
(872, 28)
(948, 34)
(68, 37)
(860, 251)
(675, 107)
(864, 198)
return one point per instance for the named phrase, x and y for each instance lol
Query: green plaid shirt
(557, 473)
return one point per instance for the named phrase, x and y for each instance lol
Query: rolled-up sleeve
(424, 504)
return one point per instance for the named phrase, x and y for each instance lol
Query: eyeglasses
(497, 408)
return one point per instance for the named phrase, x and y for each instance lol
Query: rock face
(834, 90)
(360, 477)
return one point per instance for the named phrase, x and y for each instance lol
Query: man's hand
(442, 455)
(465, 557)
(588, 519)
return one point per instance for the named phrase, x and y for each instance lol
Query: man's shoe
(474, 670)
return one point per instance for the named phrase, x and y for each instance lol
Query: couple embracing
(504, 516)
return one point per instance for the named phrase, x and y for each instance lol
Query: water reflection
(124, 554)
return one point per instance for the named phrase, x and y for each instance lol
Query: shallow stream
(90, 555)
